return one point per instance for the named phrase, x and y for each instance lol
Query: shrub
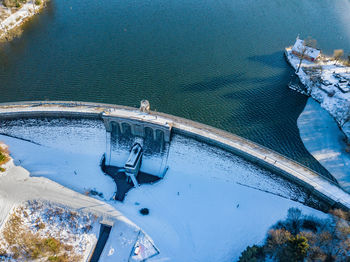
(337, 54)
(310, 224)
(2, 157)
(300, 238)
(252, 254)
(276, 240)
(53, 244)
(93, 192)
(13, 3)
(144, 211)
(41, 225)
(295, 249)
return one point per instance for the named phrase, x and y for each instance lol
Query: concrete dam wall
(164, 125)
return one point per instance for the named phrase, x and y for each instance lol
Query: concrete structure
(133, 164)
(135, 123)
(319, 186)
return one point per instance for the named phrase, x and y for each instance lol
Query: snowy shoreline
(324, 140)
(326, 82)
(16, 19)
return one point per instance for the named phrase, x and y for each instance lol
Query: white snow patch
(63, 153)
(200, 210)
(323, 139)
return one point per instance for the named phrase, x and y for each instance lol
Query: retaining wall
(323, 188)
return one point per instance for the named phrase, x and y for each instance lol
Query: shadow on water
(269, 124)
(269, 60)
(214, 83)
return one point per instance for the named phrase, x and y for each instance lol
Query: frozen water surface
(209, 207)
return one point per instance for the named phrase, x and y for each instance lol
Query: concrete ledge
(326, 189)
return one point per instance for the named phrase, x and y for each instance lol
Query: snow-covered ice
(201, 210)
(323, 139)
(67, 152)
(209, 207)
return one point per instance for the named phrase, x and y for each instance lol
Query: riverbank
(12, 18)
(328, 82)
(324, 140)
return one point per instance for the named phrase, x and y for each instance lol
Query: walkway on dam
(321, 186)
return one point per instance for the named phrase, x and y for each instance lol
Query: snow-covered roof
(310, 51)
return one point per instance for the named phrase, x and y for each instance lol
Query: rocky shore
(11, 18)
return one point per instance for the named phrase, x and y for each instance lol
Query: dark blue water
(217, 62)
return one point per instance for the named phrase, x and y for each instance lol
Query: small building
(133, 164)
(301, 49)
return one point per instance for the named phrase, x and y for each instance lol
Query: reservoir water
(217, 62)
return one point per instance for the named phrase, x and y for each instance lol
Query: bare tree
(309, 42)
(294, 220)
(33, 1)
(337, 54)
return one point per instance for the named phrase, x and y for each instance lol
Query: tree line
(304, 238)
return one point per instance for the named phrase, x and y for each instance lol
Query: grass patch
(4, 155)
(14, 3)
(21, 243)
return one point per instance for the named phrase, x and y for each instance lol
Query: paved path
(17, 187)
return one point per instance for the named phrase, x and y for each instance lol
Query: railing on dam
(321, 186)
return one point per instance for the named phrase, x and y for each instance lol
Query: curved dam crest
(327, 189)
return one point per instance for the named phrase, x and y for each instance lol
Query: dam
(200, 185)
(164, 126)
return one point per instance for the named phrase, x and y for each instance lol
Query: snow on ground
(323, 139)
(67, 152)
(328, 91)
(209, 207)
(18, 187)
(77, 231)
(199, 211)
